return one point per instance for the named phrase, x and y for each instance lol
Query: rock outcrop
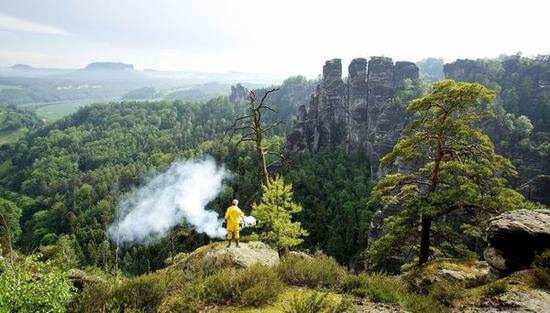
(537, 189)
(238, 93)
(357, 93)
(519, 296)
(332, 126)
(516, 237)
(218, 255)
(360, 113)
(466, 272)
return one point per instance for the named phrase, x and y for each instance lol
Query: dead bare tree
(250, 128)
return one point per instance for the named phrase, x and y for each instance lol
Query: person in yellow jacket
(232, 217)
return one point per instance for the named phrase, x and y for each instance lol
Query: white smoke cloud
(170, 198)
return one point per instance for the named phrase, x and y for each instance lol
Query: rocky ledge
(516, 237)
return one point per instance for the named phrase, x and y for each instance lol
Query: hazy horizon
(286, 38)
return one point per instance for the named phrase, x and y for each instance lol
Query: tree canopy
(448, 165)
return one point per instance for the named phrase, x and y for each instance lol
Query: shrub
(384, 288)
(495, 288)
(142, 293)
(188, 300)
(320, 272)
(391, 289)
(541, 266)
(446, 292)
(254, 286)
(95, 298)
(316, 302)
(354, 284)
(33, 286)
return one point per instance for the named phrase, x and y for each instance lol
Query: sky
(284, 37)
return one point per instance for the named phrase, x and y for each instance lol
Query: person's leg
(229, 235)
(236, 236)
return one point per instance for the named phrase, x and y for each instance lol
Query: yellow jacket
(232, 216)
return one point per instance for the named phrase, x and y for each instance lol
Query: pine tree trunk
(425, 240)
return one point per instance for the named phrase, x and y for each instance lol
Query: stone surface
(332, 113)
(537, 189)
(404, 70)
(516, 301)
(359, 114)
(471, 273)
(518, 236)
(357, 89)
(299, 254)
(249, 253)
(80, 278)
(495, 257)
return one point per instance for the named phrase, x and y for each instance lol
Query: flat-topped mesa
(332, 110)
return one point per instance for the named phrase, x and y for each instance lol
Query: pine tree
(452, 166)
(274, 216)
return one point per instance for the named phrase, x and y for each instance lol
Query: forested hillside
(67, 177)
(62, 184)
(15, 123)
(523, 88)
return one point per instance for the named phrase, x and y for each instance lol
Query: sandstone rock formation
(516, 237)
(467, 272)
(537, 189)
(332, 126)
(521, 296)
(238, 93)
(359, 113)
(217, 254)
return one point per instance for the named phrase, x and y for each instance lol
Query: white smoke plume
(170, 198)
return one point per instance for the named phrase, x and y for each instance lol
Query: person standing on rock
(232, 217)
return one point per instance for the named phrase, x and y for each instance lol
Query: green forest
(470, 145)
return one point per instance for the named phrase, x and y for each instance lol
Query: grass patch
(495, 288)
(12, 136)
(55, 110)
(541, 270)
(254, 286)
(320, 272)
(317, 302)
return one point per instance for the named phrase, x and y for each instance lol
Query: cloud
(10, 23)
(10, 57)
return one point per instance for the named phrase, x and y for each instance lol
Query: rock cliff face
(238, 93)
(359, 113)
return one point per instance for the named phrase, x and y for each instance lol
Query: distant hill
(109, 66)
(21, 67)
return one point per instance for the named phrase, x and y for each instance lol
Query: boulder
(300, 255)
(496, 258)
(81, 279)
(467, 272)
(218, 255)
(520, 296)
(516, 237)
(519, 301)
